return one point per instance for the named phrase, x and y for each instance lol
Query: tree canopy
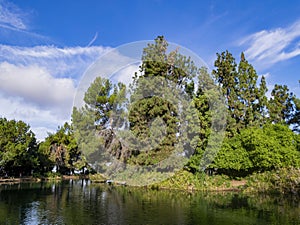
(18, 148)
(254, 121)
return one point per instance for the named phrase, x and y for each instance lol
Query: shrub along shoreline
(283, 181)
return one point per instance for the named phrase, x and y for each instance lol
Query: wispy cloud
(268, 47)
(68, 62)
(93, 40)
(11, 17)
(15, 27)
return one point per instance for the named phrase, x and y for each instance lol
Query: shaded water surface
(79, 202)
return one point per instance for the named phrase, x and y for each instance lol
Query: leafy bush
(259, 149)
(199, 181)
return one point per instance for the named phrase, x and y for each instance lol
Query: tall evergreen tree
(202, 129)
(93, 122)
(226, 77)
(160, 71)
(246, 92)
(280, 105)
(101, 98)
(245, 99)
(261, 106)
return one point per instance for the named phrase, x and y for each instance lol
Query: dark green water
(78, 202)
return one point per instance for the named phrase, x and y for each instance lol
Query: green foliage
(97, 178)
(233, 158)
(61, 150)
(225, 74)
(174, 66)
(281, 104)
(94, 121)
(153, 102)
(200, 131)
(18, 148)
(274, 146)
(245, 100)
(295, 118)
(185, 180)
(281, 180)
(146, 112)
(259, 149)
(101, 98)
(252, 143)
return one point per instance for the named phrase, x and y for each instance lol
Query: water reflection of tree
(78, 202)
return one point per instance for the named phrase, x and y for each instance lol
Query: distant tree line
(262, 133)
(21, 154)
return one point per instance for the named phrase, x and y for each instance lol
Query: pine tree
(245, 100)
(261, 107)
(247, 92)
(199, 128)
(160, 72)
(226, 77)
(93, 122)
(102, 97)
(295, 117)
(280, 105)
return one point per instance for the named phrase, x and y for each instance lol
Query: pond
(80, 202)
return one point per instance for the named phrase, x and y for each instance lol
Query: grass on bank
(279, 181)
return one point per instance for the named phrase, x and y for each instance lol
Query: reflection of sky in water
(31, 213)
(35, 214)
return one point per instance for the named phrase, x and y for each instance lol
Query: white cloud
(11, 16)
(38, 84)
(70, 62)
(271, 46)
(31, 94)
(41, 120)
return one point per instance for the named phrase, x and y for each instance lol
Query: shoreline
(235, 186)
(17, 180)
(13, 180)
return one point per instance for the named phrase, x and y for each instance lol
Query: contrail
(93, 40)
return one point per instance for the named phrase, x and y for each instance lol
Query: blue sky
(45, 46)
